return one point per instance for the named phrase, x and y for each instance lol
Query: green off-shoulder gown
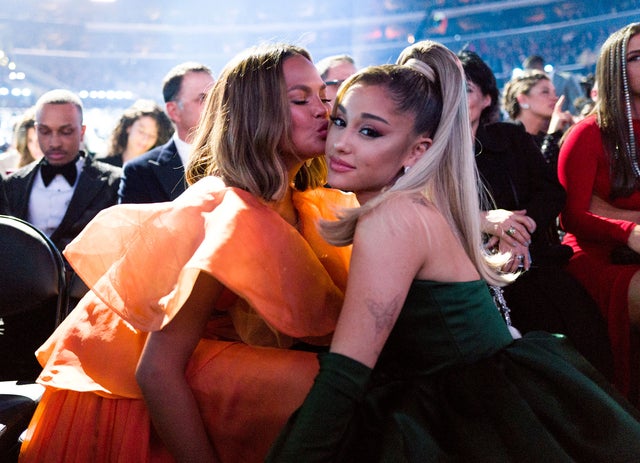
(452, 385)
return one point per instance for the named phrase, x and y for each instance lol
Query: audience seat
(33, 301)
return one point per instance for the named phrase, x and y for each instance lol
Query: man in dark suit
(63, 191)
(158, 175)
(4, 207)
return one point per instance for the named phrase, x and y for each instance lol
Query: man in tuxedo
(159, 175)
(64, 190)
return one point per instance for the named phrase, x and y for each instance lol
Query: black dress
(451, 385)
(547, 297)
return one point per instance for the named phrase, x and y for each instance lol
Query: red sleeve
(582, 170)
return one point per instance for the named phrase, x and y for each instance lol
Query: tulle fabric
(245, 395)
(282, 285)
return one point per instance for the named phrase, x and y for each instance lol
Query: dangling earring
(525, 106)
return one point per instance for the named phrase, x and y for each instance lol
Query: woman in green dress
(422, 366)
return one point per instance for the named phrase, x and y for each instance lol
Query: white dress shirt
(184, 149)
(49, 204)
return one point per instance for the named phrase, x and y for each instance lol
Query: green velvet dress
(452, 385)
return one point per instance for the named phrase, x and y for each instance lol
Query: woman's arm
(161, 376)
(387, 255)
(582, 164)
(601, 207)
(388, 252)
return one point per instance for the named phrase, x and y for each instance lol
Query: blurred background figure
(159, 174)
(142, 126)
(530, 98)
(25, 144)
(63, 191)
(565, 83)
(334, 70)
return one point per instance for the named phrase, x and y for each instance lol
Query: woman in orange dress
(215, 288)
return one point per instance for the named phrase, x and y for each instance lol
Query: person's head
(142, 126)
(533, 62)
(26, 139)
(482, 89)
(59, 125)
(184, 90)
(618, 78)
(382, 124)
(438, 144)
(265, 122)
(531, 92)
(334, 70)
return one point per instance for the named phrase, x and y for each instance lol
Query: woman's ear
(522, 99)
(420, 147)
(486, 101)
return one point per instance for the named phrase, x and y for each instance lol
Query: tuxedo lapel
(169, 171)
(19, 190)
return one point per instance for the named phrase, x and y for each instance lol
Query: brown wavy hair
(246, 126)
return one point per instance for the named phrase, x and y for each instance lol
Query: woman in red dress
(598, 166)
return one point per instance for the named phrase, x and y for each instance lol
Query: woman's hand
(509, 227)
(560, 120)
(520, 257)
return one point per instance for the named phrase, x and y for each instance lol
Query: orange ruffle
(141, 262)
(245, 395)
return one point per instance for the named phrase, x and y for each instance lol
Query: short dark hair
(172, 82)
(533, 62)
(478, 72)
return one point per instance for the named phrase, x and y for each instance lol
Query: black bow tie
(68, 170)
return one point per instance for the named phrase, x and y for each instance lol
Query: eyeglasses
(337, 83)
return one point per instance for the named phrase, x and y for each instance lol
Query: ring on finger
(520, 257)
(511, 231)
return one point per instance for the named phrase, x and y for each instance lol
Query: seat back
(33, 296)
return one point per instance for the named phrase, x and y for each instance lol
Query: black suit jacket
(154, 177)
(513, 169)
(96, 189)
(4, 206)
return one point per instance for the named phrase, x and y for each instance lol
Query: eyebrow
(304, 88)
(40, 124)
(367, 116)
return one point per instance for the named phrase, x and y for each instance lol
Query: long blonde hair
(431, 86)
(245, 127)
(613, 110)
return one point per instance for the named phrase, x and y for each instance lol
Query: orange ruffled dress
(141, 261)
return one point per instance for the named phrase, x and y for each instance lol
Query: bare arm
(161, 376)
(392, 247)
